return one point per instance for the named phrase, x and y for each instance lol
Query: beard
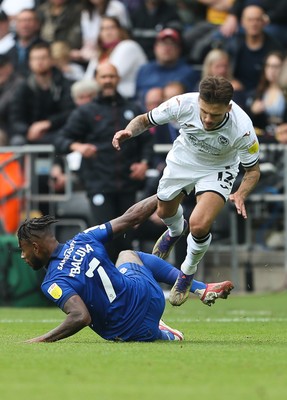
(35, 263)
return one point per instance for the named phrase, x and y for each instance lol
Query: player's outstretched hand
(238, 201)
(120, 137)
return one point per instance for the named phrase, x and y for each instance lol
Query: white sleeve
(165, 112)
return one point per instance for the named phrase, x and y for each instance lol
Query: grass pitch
(237, 349)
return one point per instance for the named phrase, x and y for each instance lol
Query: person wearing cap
(6, 37)
(168, 66)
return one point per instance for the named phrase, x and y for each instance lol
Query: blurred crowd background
(73, 72)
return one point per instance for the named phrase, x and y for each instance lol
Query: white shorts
(177, 179)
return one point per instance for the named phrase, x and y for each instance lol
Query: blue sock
(164, 272)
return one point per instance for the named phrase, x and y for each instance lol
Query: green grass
(235, 350)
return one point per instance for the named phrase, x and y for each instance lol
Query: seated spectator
(60, 51)
(115, 45)
(268, 111)
(201, 37)
(275, 17)
(91, 17)
(217, 63)
(169, 65)
(27, 34)
(82, 92)
(7, 40)
(60, 21)
(149, 19)
(267, 107)
(248, 49)
(41, 103)
(9, 81)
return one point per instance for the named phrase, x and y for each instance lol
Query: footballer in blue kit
(120, 303)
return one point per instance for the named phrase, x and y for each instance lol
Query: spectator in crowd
(61, 56)
(201, 37)
(248, 49)
(9, 81)
(6, 36)
(110, 180)
(275, 17)
(60, 21)
(169, 65)
(82, 92)
(42, 102)
(217, 63)
(27, 34)
(149, 19)
(91, 17)
(267, 105)
(267, 109)
(116, 46)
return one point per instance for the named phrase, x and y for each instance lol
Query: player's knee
(127, 256)
(199, 228)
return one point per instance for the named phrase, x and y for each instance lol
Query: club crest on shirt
(223, 140)
(55, 291)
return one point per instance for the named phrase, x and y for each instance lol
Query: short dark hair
(215, 90)
(36, 227)
(41, 45)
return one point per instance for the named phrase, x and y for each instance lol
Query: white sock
(175, 223)
(194, 253)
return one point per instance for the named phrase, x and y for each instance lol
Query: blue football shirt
(117, 302)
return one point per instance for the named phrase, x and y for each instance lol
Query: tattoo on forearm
(138, 125)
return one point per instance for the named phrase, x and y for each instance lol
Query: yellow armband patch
(253, 148)
(55, 291)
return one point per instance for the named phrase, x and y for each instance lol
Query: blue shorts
(148, 330)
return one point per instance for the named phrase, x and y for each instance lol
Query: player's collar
(222, 123)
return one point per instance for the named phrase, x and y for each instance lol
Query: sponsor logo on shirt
(203, 146)
(55, 291)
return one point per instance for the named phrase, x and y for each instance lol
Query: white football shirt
(232, 142)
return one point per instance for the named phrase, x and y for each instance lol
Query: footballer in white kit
(215, 136)
(206, 160)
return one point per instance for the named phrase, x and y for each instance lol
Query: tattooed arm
(248, 183)
(134, 128)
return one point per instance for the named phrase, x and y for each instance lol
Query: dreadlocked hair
(35, 227)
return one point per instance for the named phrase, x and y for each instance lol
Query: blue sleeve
(102, 233)
(58, 290)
